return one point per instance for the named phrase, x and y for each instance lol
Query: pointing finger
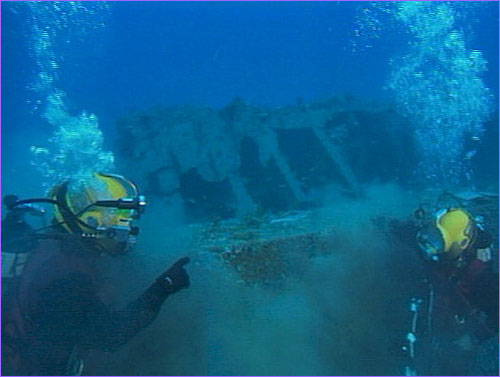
(181, 262)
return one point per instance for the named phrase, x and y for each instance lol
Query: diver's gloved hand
(176, 277)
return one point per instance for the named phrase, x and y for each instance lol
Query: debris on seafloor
(261, 248)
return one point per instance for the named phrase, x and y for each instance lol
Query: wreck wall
(227, 162)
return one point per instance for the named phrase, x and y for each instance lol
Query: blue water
(171, 53)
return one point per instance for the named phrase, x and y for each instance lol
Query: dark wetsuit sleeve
(95, 324)
(484, 295)
(483, 239)
(110, 329)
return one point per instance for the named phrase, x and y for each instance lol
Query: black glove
(176, 277)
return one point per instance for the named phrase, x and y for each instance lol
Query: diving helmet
(449, 234)
(102, 209)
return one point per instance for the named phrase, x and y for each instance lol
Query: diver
(458, 249)
(462, 284)
(54, 314)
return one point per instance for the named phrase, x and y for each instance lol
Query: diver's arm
(111, 329)
(482, 244)
(483, 238)
(484, 296)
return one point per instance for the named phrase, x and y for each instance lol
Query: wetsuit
(57, 311)
(465, 310)
(478, 282)
(475, 283)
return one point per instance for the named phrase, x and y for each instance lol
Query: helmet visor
(430, 242)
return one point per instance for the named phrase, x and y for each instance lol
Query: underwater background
(251, 123)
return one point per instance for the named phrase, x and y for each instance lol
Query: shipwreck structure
(231, 161)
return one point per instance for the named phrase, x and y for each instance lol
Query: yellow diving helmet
(102, 209)
(451, 234)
